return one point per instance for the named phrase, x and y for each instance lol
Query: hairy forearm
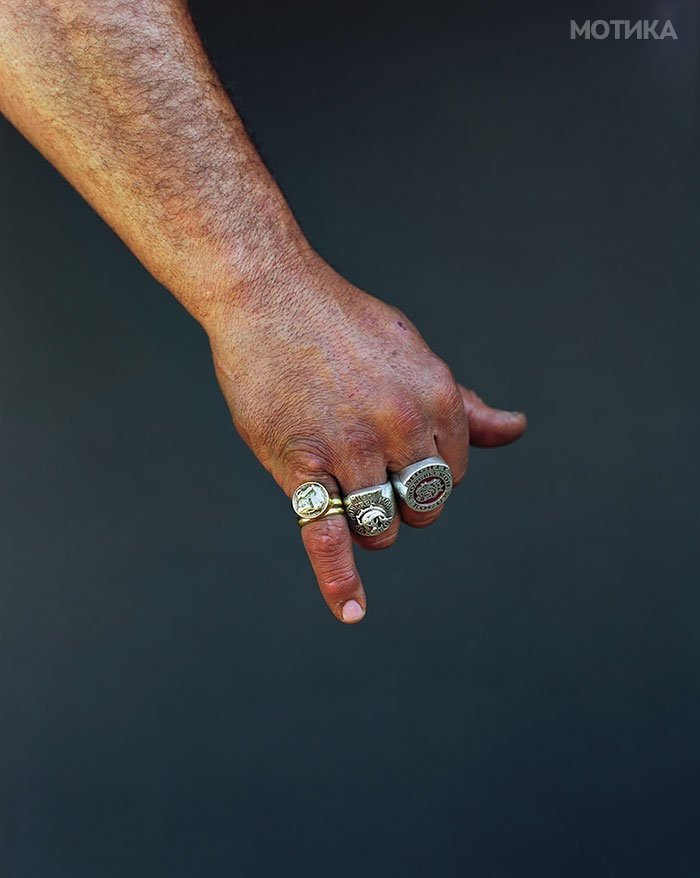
(120, 96)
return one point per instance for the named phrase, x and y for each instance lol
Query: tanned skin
(120, 97)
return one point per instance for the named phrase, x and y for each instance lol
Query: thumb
(489, 427)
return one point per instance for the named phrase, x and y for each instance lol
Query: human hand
(326, 383)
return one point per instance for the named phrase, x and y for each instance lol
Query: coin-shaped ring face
(429, 487)
(310, 500)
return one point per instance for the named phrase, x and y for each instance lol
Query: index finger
(329, 546)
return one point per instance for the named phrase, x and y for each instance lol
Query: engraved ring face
(310, 500)
(424, 485)
(370, 511)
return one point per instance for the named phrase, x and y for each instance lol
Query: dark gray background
(522, 699)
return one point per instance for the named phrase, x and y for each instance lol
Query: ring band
(312, 501)
(335, 508)
(424, 485)
(371, 510)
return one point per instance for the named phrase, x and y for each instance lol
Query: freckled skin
(324, 382)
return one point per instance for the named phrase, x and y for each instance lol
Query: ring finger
(411, 516)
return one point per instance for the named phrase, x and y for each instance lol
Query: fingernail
(518, 414)
(352, 612)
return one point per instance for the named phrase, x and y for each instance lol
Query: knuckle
(406, 429)
(307, 456)
(323, 543)
(404, 418)
(330, 552)
(360, 440)
(444, 390)
(441, 371)
(339, 585)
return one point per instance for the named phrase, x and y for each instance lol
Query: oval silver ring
(424, 485)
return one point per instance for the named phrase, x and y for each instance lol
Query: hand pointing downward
(328, 384)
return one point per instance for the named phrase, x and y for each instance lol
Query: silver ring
(424, 485)
(370, 511)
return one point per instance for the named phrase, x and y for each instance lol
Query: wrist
(240, 270)
(264, 284)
